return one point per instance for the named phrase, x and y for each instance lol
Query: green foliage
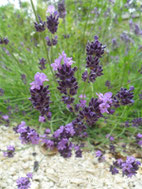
(81, 24)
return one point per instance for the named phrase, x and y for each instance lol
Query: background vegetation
(85, 19)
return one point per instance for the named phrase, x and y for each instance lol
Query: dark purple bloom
(95, 48)
(90, 114)
(85, 76)
(42, 63)
(108, 84)
(137, 122)
(27, 135)
(124, 96)
(79, 128)
(24, 182)
(51, 42)
(100, 156)
(40, 26)
(139, 139)
(10, 151)
(67, 82)
(137, 30)
(113, 170)
(94, 51)
(78, 151)
(4, 41)
(127, 124)
(41, 100)
(128, 167)
(61, 9)
(52, 22)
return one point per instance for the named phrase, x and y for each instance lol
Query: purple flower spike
(40, 26)
(52, 20)
(139, 139)
(62, 9)
(10, 151)
(100, 156)
(99, 153)
(62, 57)
(41, 119)
(39, 79)
(105, 101)
(27, 135)
(50, 9)
(42, 63)
(5, 117)
(24, 182)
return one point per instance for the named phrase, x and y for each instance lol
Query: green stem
(33, 7)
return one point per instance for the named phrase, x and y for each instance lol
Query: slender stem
(33, 7)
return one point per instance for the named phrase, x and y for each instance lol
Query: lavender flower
(62, 9)
(4, 41)
(108, 84)
(42, 119)
(62, 58)
(139, 139)
(95, 48)
(94, 51)
(137, 122)
(27, 135)
(113, 170)
(51, 9)
(24, 182)
(42, 63)
(51, 42)
(40, 27)
(137, 30)
(128, 167)
(10, 151)
(5, 117)
(123, 97)
(111, 138)
(90, 114)
(78, 151)
(39, 79)
(105, 101)
(82, 100)
(100, 156)
(52, 22)
(41, 100)
(85, 76)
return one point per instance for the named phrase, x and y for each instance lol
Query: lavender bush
(65, 87)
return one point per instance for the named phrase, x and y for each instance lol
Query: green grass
(81, 25)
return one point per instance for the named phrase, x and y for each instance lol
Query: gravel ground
(56, 172)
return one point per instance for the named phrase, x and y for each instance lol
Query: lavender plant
(69, 87)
